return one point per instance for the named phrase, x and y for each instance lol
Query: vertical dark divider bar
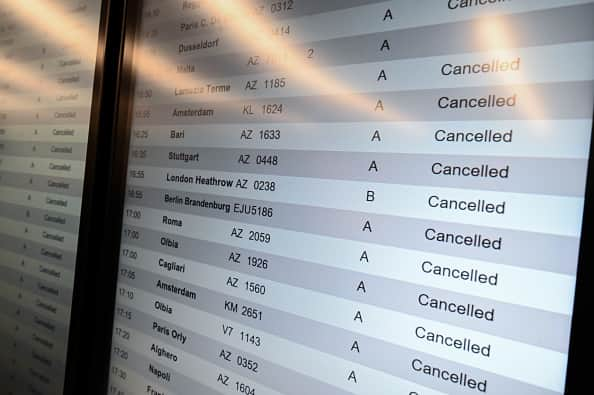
(100, 317)
(89, 291)
(579, 354)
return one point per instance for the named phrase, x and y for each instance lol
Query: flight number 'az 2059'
(252, 235)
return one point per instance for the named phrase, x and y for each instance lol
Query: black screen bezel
(89, 368)
(576, 370)
(93, 207)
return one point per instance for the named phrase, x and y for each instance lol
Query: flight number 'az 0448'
(261, 160)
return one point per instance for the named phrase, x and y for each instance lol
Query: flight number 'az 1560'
(250, 286)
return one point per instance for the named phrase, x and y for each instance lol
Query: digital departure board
(47, 68)
(353, 197)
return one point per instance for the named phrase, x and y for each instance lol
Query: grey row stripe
(25, 353)
(170, 18)
(538, 251)
(17, 381)
(536, 28)
(376, 354)
(85, 81)
(548, 176)
(34, 285)
(29, 317)
(38, 217)
(553, 334)
(299, 8)
(556, 100)
(47, 116)
(271, 375)
(30, 53)
(179, 383)
(78, 151)
(41, 183)
(34, 250)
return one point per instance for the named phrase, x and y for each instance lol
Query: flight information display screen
(47, 68)
(353, 197)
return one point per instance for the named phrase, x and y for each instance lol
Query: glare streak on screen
(47, 69)
(353, 197)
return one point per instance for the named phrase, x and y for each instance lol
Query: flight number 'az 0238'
(264, 185)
